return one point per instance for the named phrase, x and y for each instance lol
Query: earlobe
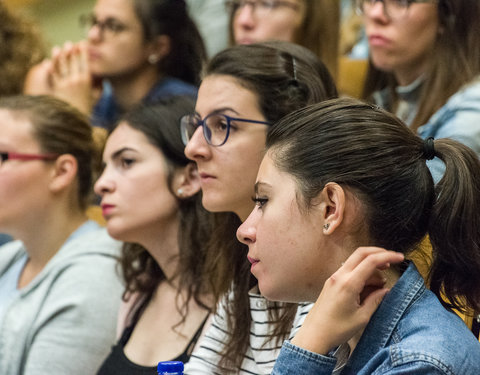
(187, 182)
(333, 197)
(64, 173)
(161, 48)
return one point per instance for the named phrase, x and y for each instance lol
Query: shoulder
(430, 336)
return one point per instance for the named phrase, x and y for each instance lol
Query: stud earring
(326, 226)
(180, 192)
(153, 59)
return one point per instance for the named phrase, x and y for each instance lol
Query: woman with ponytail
(341, 182)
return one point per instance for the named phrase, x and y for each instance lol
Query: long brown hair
(373, 154)
(319, 31)
(159, 123)
(285, 77)
(455, 59)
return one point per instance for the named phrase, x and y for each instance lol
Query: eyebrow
(117, 153)
(260, 184)
(219, 110)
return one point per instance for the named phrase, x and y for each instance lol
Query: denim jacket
(410, 333)
(458, 119)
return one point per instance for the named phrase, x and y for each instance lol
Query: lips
(377, 40)
(107, 209)
(253, 261)
(206, 177)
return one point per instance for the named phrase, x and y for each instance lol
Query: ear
(333, 204)
(159, 48)
(64, 173)
(186, 182)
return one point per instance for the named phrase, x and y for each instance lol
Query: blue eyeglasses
(216, 127)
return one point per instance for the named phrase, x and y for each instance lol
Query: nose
(377, 12)
(95, 33)
(197, 147)
(247, 232)
(104, 184)
(244, 17)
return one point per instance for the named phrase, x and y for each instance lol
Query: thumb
(374, 299)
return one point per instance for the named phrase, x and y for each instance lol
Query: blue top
(107, 112)
(458, 118)
(410, 333)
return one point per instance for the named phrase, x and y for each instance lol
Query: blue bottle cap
(170, 366)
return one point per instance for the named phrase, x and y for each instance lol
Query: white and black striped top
(260, 357)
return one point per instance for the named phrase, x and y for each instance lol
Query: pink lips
(376, 40)
(107, 209)
(253, 261)
(206, 177)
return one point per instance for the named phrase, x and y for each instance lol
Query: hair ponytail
(455, 227)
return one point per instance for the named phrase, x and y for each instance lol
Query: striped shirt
(259, 358)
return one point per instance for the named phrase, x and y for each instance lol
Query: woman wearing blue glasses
(58, 286)
(425, 66)
(245, 90)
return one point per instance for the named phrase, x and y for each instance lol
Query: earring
(180, 192)
(153, 59)
(326, 226)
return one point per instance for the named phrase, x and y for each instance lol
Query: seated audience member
(151, 200)
(313, 24)
(246, 88)
(425, 66)
(21, 48)
(137, 51)
(341, 182)
(59, 292)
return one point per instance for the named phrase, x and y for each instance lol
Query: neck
(131, 88)
(406, 76)
(162, 244)
(43, 240)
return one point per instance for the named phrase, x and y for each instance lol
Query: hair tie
(428, 148)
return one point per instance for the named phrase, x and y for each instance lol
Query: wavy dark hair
(187, 50)
(285, 77)
(382, 162)
(142, 274)
(457, 49)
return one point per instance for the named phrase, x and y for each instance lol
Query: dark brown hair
(187, 50)
(373, 154)
(455, 60)
(285, 77)
(60, 129)
(160, 124)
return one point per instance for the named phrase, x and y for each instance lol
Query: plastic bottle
(170, 368)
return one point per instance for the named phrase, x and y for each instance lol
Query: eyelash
(259, 202)
(127, 162)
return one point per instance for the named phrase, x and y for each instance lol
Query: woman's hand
(347, 301)
(71, 77)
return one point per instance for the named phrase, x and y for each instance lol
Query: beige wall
(57, 18)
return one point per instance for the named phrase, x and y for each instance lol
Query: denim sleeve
(298, 361)
(459, 119)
